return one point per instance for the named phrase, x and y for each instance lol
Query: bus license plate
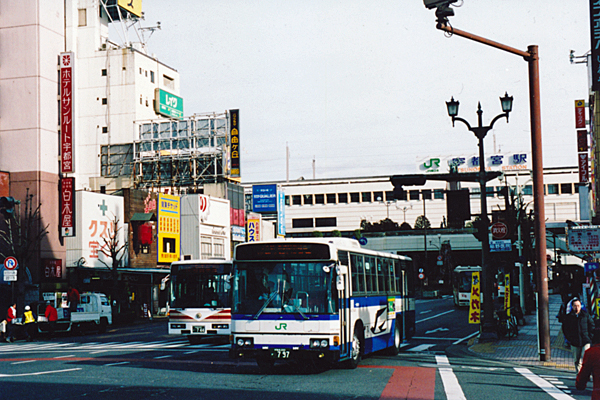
(198, 329)
(280, 353)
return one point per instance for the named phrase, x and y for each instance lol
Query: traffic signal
(481, 229)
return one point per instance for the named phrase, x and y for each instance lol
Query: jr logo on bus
(281, 326)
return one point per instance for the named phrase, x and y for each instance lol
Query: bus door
(405, 304)
(341, 283)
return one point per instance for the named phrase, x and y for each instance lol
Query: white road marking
(23, 362)
(467, 337)
(437, 330)
(69, 356)
(39, 373)
(425, 312)
(544, 384)
(422, 347)
(119, 363)
(434, 316)
(451, 385)
(159, 357)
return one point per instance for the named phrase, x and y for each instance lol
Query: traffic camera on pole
(442, 9)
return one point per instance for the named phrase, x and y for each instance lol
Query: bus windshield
(195, 288)
(464, 281)
(283, 287)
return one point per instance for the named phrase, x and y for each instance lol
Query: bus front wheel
(395, 349)
(357, 348)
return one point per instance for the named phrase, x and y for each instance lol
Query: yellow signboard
(133, 6)
(169, 211)
(253, 229)
(475, 303)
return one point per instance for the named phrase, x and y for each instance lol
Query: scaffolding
(181, 154)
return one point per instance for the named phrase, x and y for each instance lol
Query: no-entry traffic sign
(499, 230)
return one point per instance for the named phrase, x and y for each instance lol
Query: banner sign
(67, 207)
(470, 163)
(253, 230)
(167, 104)
(583, 166)
(579, 114)
(475, 302)
(280, 213)
(507, 292)
(52, 268)
(264, 198)
(234, 140)
(66, 111)
(595, 36)
(169, 212)
(500, 245)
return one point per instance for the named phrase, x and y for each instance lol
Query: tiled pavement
(523, 349)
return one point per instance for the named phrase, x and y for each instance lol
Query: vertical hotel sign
(234, 140)
(67, 207)
(168, 228)
(595, 36)
(67, 61)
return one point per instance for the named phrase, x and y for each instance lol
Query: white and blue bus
(320, 298)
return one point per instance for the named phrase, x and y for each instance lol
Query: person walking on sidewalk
(577, 327)
(591, 366)
(11, 320)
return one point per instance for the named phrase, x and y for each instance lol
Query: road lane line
(69, 356)
(544, 384)
(39, 373)
(466, 337)
(410, 383)
(113, 364)
(451, 385)
(159, 357)
(23, 362)
(434, 316)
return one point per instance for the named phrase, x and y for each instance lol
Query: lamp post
(488, 331)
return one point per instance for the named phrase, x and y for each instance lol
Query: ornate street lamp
(488, 323)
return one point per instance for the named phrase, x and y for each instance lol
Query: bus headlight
(319, 343)
(324, 343)
(240, 342)
(244, 342)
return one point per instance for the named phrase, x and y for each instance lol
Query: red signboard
(579, 114)
(67, 207)
(499, 230)
(582, 140)
(66, 111)
(52, 268)
(582, 161)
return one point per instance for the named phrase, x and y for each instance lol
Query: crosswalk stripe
(544, 384)
(422, 347)
(449, 380)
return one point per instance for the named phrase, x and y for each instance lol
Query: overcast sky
(361, 85)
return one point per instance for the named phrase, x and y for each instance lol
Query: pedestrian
(11, 320)
(52, 316)
(591, 366)
(28, 322)
(73, 299)
(577, 326)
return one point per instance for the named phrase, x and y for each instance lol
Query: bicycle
(507, 325)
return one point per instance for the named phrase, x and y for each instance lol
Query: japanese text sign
(234, 141)
(67, 207)
(583, 238)
(475, 300)
(67, 60)
(169, 212)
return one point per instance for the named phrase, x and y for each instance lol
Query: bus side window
(358, 278)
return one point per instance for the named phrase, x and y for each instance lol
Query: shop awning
(143, 217)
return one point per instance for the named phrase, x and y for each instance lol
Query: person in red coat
(11, 320)
(52, 316)
(591, 366)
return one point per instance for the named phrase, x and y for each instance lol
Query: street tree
(422, 222)
(114, 251)
(20, 237)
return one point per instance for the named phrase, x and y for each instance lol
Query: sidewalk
(523, 349)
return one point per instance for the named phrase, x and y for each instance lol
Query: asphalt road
(143, 362)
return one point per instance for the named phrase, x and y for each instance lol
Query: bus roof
(337, 243)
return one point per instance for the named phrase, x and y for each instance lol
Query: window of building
(141, 99)
(413, 194)
(323, 222)
(140, 70)
(566, 188)
(168, 82)
(319, 199)
(287, 200)
(343, 197)
(355, 197)
(104, 101)
(553, 188)
(389, 196)
(426, 194)
(146, 73)
(205, 247)
(308, 199)
(152, 76)
(302, 223)
(82, 17)
(528, 190)
(490, 190)
(297, 200)
(331, 198)
(378, 196)
(218, 248)
(438, 194)
(366, 197)
(105, 129)
(104, 72)
(116, 160)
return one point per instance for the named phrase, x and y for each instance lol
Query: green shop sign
(168, 104)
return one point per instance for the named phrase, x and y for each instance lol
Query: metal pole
(538, 202)
(532, 58)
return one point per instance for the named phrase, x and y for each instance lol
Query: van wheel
(357, 349)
